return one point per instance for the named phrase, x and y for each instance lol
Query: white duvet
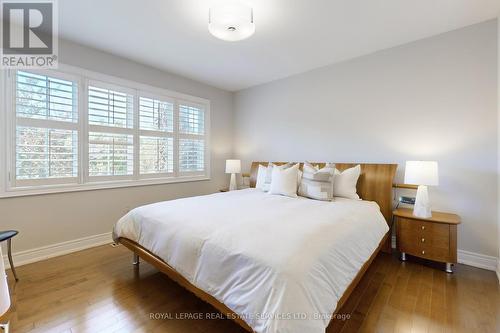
(280, 263)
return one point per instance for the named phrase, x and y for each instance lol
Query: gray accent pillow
(317, 183)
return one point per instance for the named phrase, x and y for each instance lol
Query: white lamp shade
(231, 23)
(422, 173)
(4, 288)
(233, 166)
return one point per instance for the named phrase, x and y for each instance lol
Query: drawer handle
(423, 240)
(423, 227)
(423, 252)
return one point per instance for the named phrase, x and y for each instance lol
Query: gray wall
(434, 99)
(48, 219)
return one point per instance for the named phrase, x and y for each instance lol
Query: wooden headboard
(374, 183)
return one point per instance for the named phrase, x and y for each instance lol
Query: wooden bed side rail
(361, 273)
(182, 281)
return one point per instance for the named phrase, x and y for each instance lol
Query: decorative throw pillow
(284, 181)
(261, 177)
(269, 173)
(345, 182)
(317, 183)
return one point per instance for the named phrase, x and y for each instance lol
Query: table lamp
(423, 174)
(4, 295)
(233, 167)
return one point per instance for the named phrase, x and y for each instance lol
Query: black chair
(7, 235)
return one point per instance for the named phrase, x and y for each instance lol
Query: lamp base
(4, 327)
(422, 206)
(232, 184)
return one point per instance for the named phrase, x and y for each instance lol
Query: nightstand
(433, 238)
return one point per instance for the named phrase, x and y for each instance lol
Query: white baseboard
(54, 250)
(472, 259)
(477, 260)
(498, 270)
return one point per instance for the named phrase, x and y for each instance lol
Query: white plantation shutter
(46, 133)
(45, 97)
(110, 154)
(46, 153)
(191, 139)
(156, 114)
(157, 155)
(191, 119)
(109, 107)
(111, 131)
(70, 131)
(156, 143)
(191, 155)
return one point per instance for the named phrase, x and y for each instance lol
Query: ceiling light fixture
(231, 23)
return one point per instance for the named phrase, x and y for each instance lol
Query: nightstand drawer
(426, 251)
(428, 233)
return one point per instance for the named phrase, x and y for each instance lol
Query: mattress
(280, 263)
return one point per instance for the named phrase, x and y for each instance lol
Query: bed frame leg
(135, 260)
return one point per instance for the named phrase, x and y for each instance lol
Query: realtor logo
(29, 34)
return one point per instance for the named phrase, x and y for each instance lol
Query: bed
(273, 264)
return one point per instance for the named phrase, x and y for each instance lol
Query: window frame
(190, 135)
(103, 129)
(153, 133)
(10, 188)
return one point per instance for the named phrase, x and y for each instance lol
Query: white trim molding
(477, 260)
(498, 270)
(45, 252)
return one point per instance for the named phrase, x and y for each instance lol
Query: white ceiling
(292, 36)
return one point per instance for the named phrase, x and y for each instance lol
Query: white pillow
(345, 182)
(261, 177)
(269, 174)
(284, 181)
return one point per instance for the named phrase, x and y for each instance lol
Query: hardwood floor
(98, 290)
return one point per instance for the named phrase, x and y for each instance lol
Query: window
(111, 154)
(46, 129)
(111, 131)
(156, 118)
(111, 108)
(156, 115)
(191, 156)
(44, 153)
(191, 138)
(77, 130)
(157, 155)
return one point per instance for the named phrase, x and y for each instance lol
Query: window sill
(52, 189)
